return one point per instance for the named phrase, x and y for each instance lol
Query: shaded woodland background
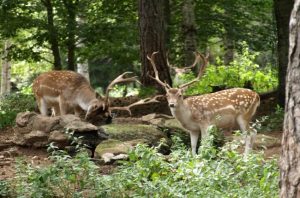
(109, 37)
(247, 43)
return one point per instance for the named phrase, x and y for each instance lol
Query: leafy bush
(274, 121)
(240, 72)
(212, 173)
(12, 104)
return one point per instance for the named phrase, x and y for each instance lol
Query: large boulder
(124, 136)
(38, 131)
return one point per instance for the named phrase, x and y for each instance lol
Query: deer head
(183, 70)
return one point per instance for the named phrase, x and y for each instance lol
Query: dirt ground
(9, 153)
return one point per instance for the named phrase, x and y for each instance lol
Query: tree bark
(152, 38)
(71, 8)
(290, 155)
(282, 10)
(82, 63)
(52, 35)
(83, 69)
(228, 48)
(5, 76)
(189, 29)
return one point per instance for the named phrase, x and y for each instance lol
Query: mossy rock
(127, 132)
(112, 146)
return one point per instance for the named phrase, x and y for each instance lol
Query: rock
(127, 132)
(265, 141)
(24, 118)
(34, 138)
(80, 126)
(261, 141)
(64, 120)
(45, 124)
(112, 146)
(112, 150)
(58, 137)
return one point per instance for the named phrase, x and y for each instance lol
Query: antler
(151, 59)
(119, 79)
(201, 71)
(197, 59)
(140, 102)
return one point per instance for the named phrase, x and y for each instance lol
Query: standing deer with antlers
(223, 109)
(180, 71)
(70, 92)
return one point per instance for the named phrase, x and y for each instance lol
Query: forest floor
(10, 153)
(39, 157)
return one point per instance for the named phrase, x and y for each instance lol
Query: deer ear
(182, 90)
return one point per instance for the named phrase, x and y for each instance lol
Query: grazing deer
(223, 109)
(70, 92)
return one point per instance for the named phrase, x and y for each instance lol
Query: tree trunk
(152, 38)
(282, 9)
(71, 8)
(82, 63)
(189, 29)
(290, 155)
(228, 39)
(52, 35)
(5, 76)
(228, 48)
(83, 69)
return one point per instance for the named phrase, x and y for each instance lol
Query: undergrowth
(212, 173)
(12, 104)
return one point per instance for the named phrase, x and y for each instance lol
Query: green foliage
(273, 122)
(12, 104)
(23, 73)
(212, 173)
(4, 188)
(240, 72)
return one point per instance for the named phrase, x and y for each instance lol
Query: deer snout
(171, 105)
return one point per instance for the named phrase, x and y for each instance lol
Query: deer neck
(181, 112)
(86, 97)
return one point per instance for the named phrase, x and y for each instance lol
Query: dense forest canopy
(106, 34)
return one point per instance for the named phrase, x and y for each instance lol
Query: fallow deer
(178, 72)
(223, 109)
(70, 92)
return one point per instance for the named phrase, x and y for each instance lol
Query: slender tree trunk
(228, 48)
(290, 155)
(228, 39)
(189, 29)
(282, 9)
(82, 63)
(71, 8)
(5, 76)
(167, 19)
(52, 35)
(152, 38)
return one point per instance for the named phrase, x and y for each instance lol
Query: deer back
(232, 102)
(68, 85)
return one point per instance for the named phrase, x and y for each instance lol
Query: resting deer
(69, 92)
(223, 109)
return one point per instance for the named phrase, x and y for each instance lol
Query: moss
(112, 146)
(126, 132)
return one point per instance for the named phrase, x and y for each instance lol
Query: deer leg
(62, 106)
(55, 110)
(194, 135)
(43, 107)
(248, 133)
